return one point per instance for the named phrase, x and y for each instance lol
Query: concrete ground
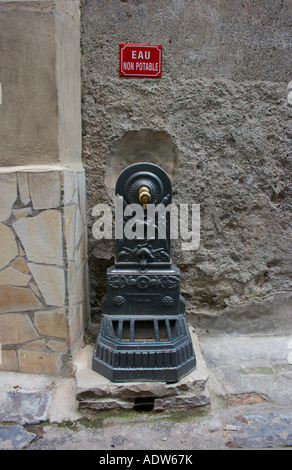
(250, 385)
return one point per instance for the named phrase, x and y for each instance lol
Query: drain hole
(144, 404)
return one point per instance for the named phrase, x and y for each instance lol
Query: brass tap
(144, 196)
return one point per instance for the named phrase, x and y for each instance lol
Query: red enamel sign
(140, 60)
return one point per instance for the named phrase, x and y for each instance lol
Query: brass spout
(144, 196)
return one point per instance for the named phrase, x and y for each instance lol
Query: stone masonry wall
(43, 227)
(43, 304)
(218, 121)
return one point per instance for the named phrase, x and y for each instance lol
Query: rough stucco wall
(222, 101)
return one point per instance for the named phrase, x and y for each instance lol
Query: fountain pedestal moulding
(143, 333)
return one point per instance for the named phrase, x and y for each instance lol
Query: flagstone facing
(41, 237)
(45, 189)
(8, 245)
(17, 299)
(51, 283)
(13, 277)
(8, 195)
(16, 328)
(52, 323)
(43, 283)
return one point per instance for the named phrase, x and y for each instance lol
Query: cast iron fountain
(143, 333)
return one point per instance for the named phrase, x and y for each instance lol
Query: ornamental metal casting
(143, 333)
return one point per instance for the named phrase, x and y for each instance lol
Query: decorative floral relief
(143, 282)
(119, 300)
(144, 252)
(167, 301)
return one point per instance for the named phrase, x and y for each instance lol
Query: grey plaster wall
(40, 83)
(221, 106)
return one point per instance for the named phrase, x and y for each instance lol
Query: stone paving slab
(271, 430)
(250, 364)
(14, 437)
(29, 398)
(249, 382)
(256, 427)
